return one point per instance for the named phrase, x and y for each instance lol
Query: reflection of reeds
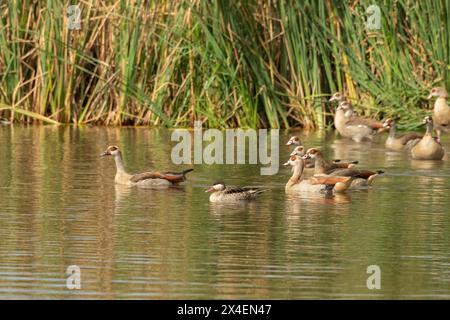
(232, 63)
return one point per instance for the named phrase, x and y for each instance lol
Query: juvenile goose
(323, 166)
(441, 111)
(405, 141)
(428, 148)
(145, 179)
(315, 183)
(221, 193)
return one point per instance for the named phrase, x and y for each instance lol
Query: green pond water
(59, 206)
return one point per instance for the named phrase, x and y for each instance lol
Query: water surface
(59, 207)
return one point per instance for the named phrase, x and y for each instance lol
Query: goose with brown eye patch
(428, 148)
(339, 97)
(221, 193)
(146, 179)
(294, 140)
(350, 125)
(441, 111)
(403, 142)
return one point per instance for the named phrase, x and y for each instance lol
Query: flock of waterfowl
(328, 176)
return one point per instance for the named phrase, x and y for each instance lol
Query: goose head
(437, 92)
(428, 120)
(110, 151)
(312, 153)
(337, 97)
(389, 122)
(298, 151)
(292, 160)
(293, 140)
(216, 186)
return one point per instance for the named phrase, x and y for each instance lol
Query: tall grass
(256, 63)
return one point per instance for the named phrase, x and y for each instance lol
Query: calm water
(59, 207)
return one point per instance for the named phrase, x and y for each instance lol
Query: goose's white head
(312, 153)
(428, 119)
(389, 122)
(337, 97)
(294, 140)
(438, 92)
(298, 151)
(292, 160)
(110, 151)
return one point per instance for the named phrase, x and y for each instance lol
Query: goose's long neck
(339, 118)
(119, 162)
(297, 173)
(392, 131)
(320, 163)
(429, 131)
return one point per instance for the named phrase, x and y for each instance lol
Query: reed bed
(256, 63)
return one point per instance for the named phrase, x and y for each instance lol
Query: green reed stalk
(229, 63)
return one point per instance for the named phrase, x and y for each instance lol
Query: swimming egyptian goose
(362, 178)
(355, 130)
(315, 183)
(405, 141)
(222, 193)
(441, 111)
(145, 179)
(323, 166)
(428, 148)
(350, 125)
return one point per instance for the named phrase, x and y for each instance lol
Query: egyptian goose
(315, 183)
(349, 125)
(362, 178)
(145, 179)
(348, 128)
(441, 111)
(222, 193)
(405, 141)
(323, 166)
(428, 148)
